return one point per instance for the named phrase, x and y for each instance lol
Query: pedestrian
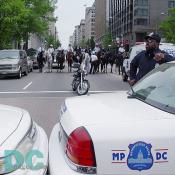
(50, 57)
(146, 60)
(94, 60)
(86, 61)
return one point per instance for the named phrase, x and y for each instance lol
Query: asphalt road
(42, 93)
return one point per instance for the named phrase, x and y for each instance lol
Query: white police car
(23, 144)
(140, 46)
(118, 133)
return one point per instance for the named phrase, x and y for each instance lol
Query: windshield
(9, 54)
(158, 88)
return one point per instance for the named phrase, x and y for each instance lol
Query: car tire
(19, 74)
(26, 72)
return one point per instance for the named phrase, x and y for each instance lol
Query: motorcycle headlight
(16, 156)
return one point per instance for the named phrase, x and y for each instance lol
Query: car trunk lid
(129, 148)
(10, 119)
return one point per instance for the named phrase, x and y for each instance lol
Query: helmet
(51, 45)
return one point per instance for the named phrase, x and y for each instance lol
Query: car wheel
(26, 72)
(19, 74)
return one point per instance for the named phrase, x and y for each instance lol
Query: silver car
(13, 63)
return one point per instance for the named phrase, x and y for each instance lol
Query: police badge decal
(140, 157)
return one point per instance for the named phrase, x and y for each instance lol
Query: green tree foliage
(92, 43)
(107, 40)
(51, 40)
(20, 17)
(167, 27)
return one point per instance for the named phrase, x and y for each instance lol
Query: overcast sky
(69, 13)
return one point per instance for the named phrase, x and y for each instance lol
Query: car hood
(106, 109)
(14, 124)
(8, 61)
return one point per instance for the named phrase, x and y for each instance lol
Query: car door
(23, 60)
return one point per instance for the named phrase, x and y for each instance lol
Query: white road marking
(27, 86)
(42, 92)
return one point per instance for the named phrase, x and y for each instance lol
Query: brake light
(80, 149)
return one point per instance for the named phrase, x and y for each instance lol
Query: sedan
(23, 143)
(122, 133)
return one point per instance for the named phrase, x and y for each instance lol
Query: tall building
(81, 32)
(132, 19)
(101, 21)
(75, 36)
(71, 40)
(90, 22)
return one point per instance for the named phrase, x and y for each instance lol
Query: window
(141, 12)
(171, 4)
(141, 3)
(141, 21)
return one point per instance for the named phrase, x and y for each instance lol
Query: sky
(69, 13)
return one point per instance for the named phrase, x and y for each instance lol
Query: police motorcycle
(79, 83)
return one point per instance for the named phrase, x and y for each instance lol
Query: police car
(167, 47)
(122, 133)
(23, 143)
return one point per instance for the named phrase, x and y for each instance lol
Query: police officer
(146, 60)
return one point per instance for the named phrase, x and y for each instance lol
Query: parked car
(118, 133)
(13, 63)
(32, 53)
(24, 144)
(167, 47)
(30, 64)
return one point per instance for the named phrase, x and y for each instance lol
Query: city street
(43, 93)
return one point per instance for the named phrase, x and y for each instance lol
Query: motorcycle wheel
(85, 88)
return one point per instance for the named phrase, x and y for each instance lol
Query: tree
(51, 40)
(20, 17)
(167, 27)
(107, 40)
(92, 43)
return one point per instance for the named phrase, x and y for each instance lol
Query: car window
(5, 54)
(158, 87)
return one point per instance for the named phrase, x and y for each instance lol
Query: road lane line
(27, 86)
(42, 92)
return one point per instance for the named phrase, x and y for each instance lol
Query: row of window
(141, 12)
(171, 3)
(141, 3)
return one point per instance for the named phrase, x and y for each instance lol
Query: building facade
(101, 22)
(75, 36)
(90, 22)
(81, 32)
(132, 19)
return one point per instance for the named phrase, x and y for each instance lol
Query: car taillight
(80, 149)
